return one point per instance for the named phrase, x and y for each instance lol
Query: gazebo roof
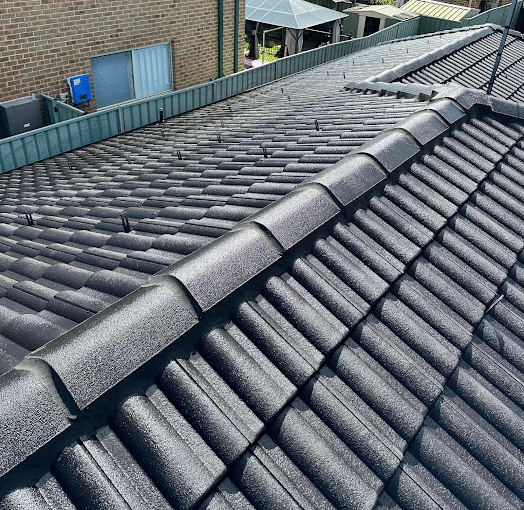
(290, 13)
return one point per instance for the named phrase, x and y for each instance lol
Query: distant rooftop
(389, 11)
(440, 10)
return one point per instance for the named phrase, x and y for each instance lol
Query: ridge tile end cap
(298, 214)
(465, 97)
(218, 269)
(424, 126)
(30, 417)
(391, 148)
(505, 107)
(102, 351)
(352, 176)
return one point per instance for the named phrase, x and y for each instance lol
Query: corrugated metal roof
(290, 13)
(438, 9)
(389, 11)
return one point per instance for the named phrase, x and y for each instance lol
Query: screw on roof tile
(163, 134)
(327, 73)
(282, 89)
(219, 138)
(265, 151)
(344, 75)
(179, 154)
(317, 125)
(161, 114)
(128, 158)
(125, 223)
(29, 218)
(222, 122)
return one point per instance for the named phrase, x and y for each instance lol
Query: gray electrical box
(20, 115)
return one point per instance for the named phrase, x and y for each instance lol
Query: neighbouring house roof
(357, 343)
(290, 13)
(386, 11)
(440, 10)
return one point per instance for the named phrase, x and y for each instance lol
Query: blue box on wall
(80, 88)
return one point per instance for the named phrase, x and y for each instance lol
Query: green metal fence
(496, 16)
(56, 111)
(63, 136)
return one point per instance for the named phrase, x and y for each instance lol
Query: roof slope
(389, 11)
(357, 344)
(180, 184)
(471, 66)
(439, 10)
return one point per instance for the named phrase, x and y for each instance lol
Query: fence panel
(48, 105)
(67, 112)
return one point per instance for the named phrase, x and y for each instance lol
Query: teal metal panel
(17, 149)
(30, 152)
(41, 145)
(63, 138)
(6, 157)
(48, 105)
(67, 112)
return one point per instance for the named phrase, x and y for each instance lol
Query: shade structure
(296, 14)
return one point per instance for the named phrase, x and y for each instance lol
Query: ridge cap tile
(392, 148)
(215, 271)
(351, 177)
(296, 215)
(90, 360)
(30, 416)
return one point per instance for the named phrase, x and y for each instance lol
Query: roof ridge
(415, 63)
(72, 371)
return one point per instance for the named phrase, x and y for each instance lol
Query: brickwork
(42, 42)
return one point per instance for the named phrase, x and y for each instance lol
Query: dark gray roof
(471, 66)
(75, 260)
(357, 344)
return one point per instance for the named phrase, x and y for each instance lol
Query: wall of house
(42, 42)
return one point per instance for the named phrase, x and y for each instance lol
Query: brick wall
(42, 42)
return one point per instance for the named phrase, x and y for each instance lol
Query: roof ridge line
(175, 302)
(464, 97)
(429, 57)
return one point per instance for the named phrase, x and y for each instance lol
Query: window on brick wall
(119, 77)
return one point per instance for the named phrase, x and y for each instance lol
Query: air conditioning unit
(20, 115)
